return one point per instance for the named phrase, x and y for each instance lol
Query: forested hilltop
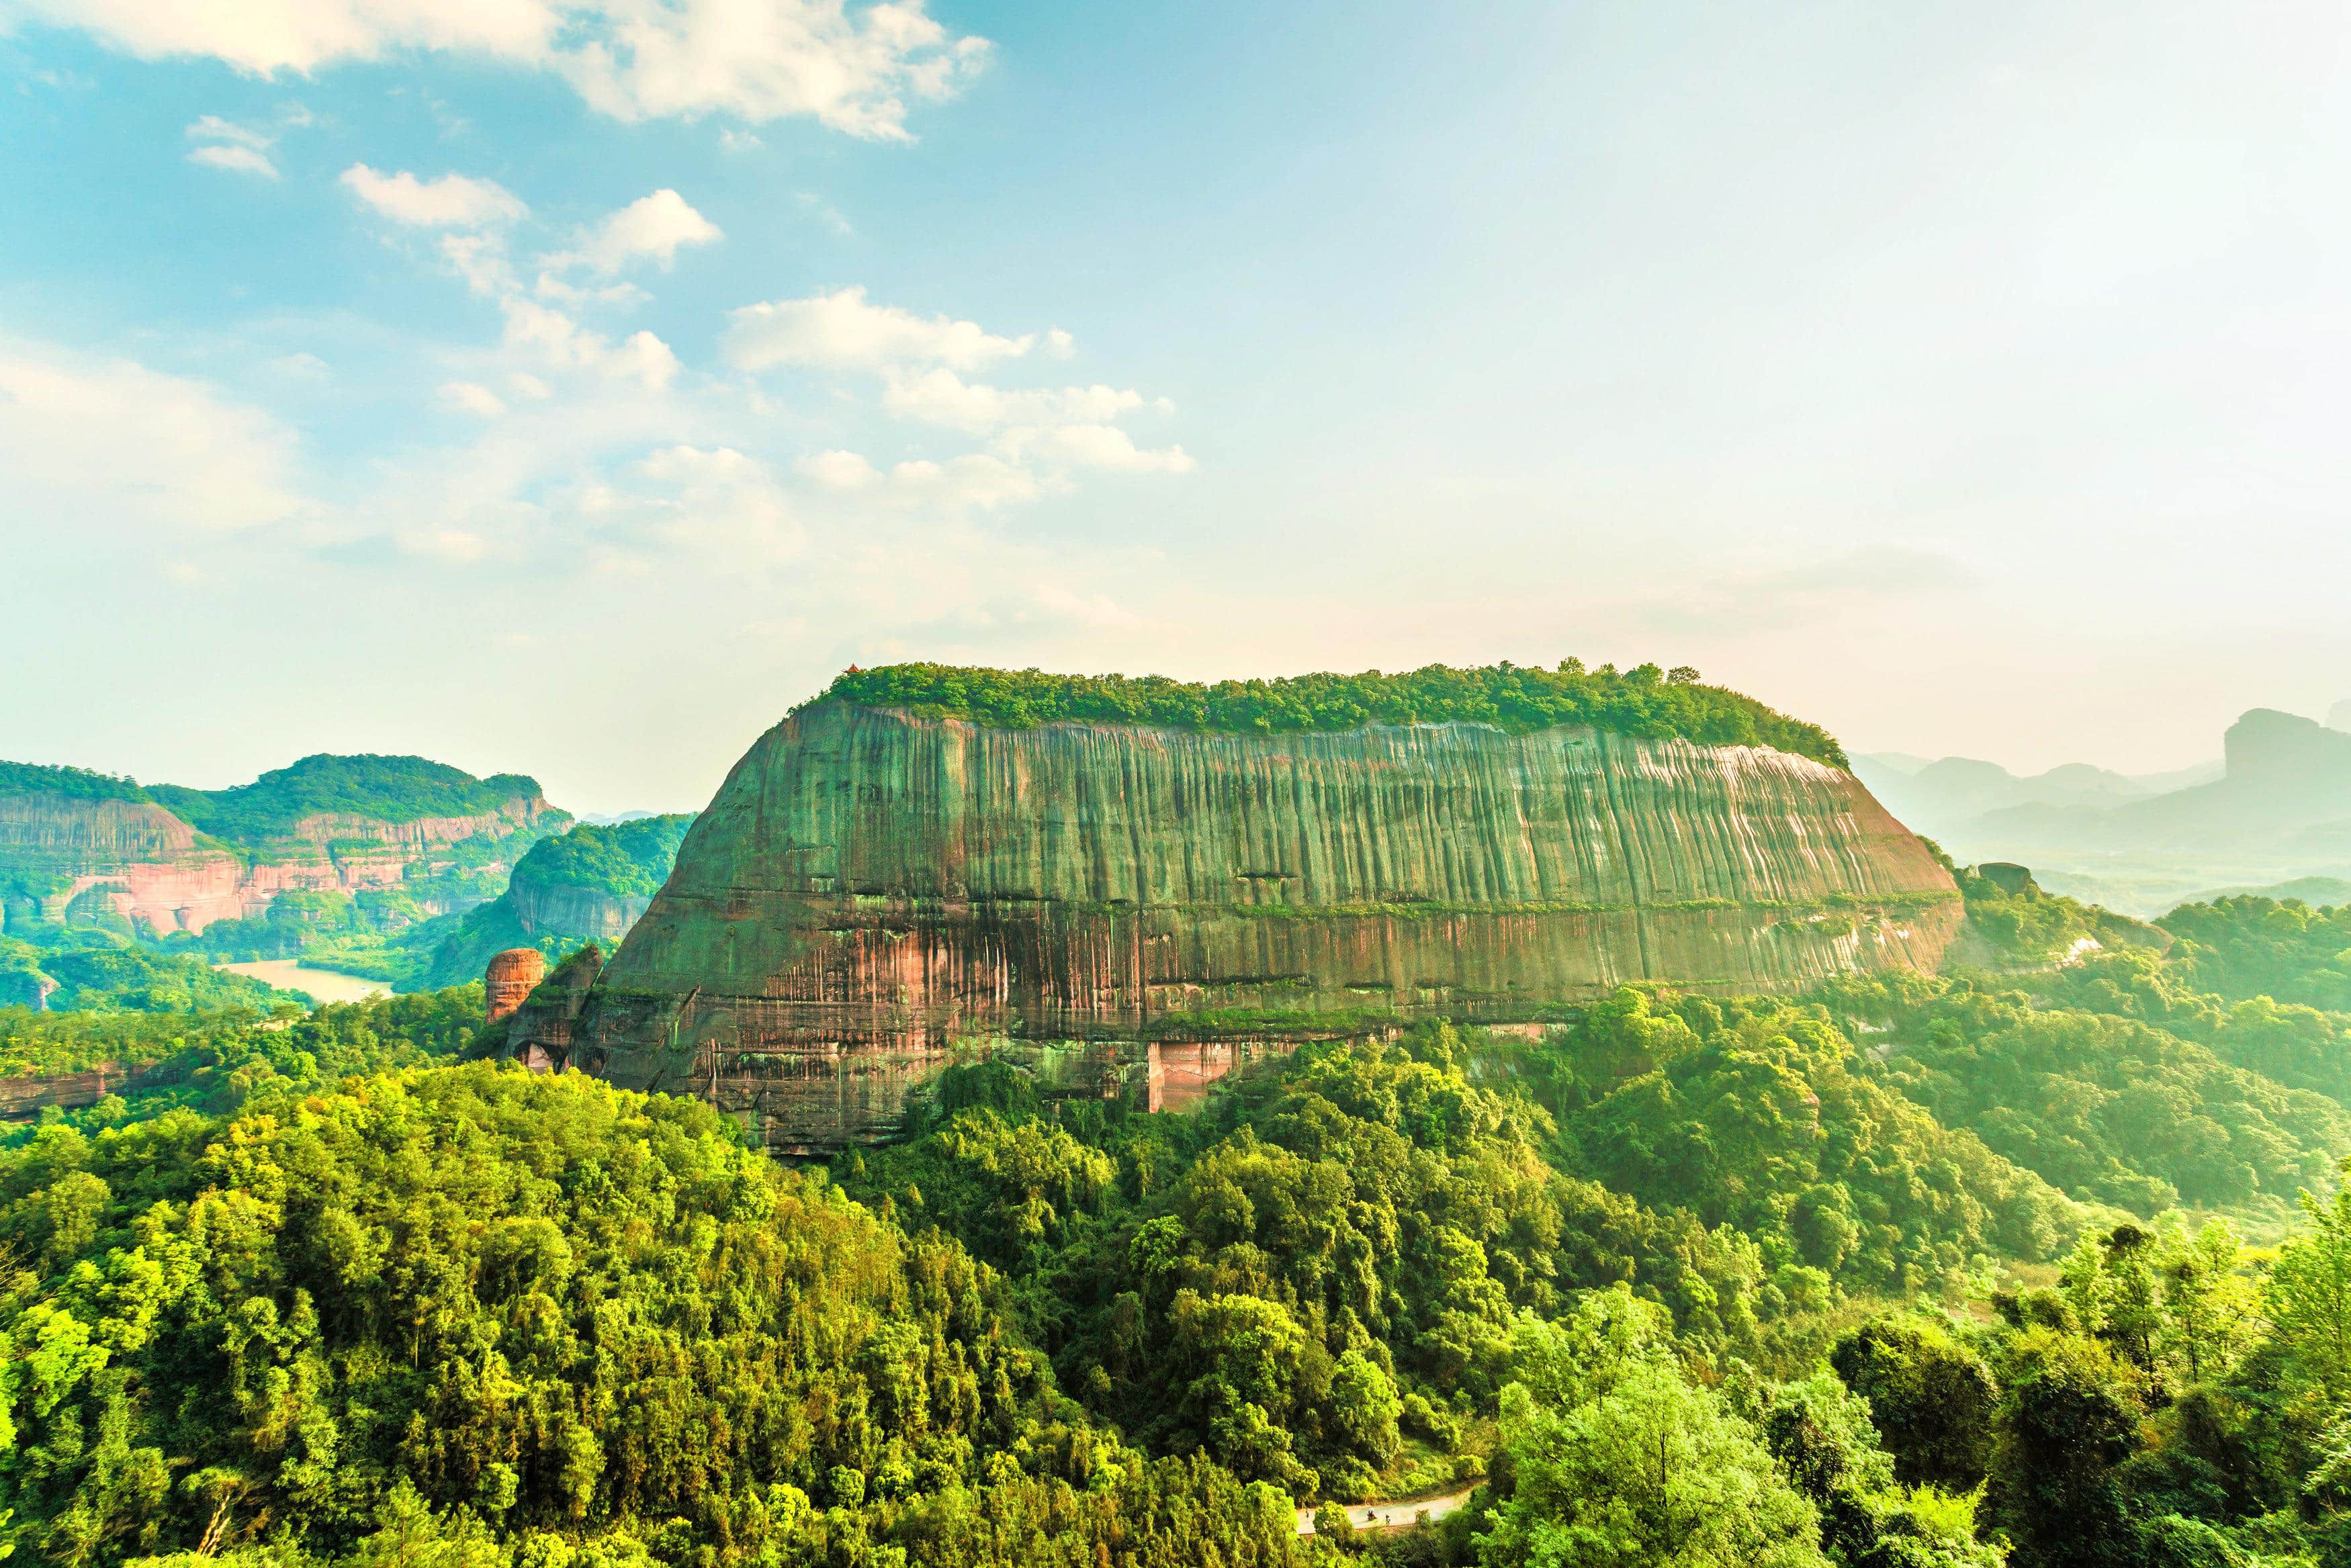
(379, 788)
(2010, 1267)
(1645, 701)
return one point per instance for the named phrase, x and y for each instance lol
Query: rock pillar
(512, 976)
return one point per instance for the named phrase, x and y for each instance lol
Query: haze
(1970, 380)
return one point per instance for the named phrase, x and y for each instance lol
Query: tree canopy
(1644, 702)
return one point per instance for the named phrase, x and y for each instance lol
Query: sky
(570, 386)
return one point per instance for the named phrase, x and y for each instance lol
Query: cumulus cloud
(974, 479)
(841, 331)
(472, 398)
(853, 70)
(224, 144)
(1091, 446)
(652, 227)
(451, 201)
(95, 440)
(564, 344)
(238, 160)
(940, 397)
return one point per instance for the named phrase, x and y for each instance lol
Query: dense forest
(384, 789)
(1645, 701)
(2044, 1265)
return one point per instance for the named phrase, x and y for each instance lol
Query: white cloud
(842, 471)
(974, 479)
(212, 127)
(564, 344)
(652, 226)
(240, 160)
(841, 332)
(852, 70)
(942, 397)
(451, 201)
(90, 439)
(472, 398)
(719, 499)
(224, 144)
(733, 140)
(300, 366)
(456, 546)
(1091, 446)
(825, 212)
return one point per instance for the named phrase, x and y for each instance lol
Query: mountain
(2287, 787)
(2279, 810)
(79, 848)
(928, 854)
(589, 885)
(1940, 798)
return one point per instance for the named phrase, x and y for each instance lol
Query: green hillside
(1645, 701)
(2037, 1264)
(624, 861)
(79, 784)
(385, 788)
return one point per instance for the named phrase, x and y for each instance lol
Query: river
(326, 984)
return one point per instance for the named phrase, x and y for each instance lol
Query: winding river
(326, 984)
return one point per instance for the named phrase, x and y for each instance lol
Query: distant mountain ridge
(2276, 809)
(79, 845)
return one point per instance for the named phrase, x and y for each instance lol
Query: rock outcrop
(868, 888)
(64, 855)
(508, 981)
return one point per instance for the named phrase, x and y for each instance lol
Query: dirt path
(1398, 1515)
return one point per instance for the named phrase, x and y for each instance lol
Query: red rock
(512, 976)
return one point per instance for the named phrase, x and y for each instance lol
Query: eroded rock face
(867, 887)
(509, 979)
(146, 864)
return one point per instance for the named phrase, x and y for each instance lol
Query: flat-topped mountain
(164, 858)
(1118, 873)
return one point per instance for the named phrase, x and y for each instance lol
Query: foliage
(1645, 702)
(2250, 945)
(214, 1059)
(1618, 1457)
(2107, 1108)
(96, 972)
(78, 783)
(1320, 1269)
(1752, 1113)
(471, 1315)
(1931, 1397)
(626, 860)
(583, 865)
(384, 789)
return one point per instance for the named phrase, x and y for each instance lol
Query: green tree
(2309, 1293)
(1618, 1457)
(2069, 1418)
(1932, 1400)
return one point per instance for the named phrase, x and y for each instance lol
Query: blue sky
(570, 386)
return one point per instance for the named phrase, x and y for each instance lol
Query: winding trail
(1402, 1515)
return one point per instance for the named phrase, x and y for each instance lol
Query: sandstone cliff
(64, 853)
(868, 887)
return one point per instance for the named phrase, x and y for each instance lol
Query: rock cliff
(869, 887)
(67, 851)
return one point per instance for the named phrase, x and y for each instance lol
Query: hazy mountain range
(2276, 809)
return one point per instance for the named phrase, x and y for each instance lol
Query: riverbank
(324, 985)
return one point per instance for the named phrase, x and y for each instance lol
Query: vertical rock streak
(867, 887)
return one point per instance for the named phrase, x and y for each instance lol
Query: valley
(1201, 1116)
